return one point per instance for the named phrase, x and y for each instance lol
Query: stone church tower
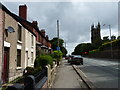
(95, 34)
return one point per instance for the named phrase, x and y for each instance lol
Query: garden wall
(107, 53)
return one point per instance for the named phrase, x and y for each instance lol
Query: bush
(108, 44)
(43, 60)
(94, 51)
(31, 71)
(57, 55)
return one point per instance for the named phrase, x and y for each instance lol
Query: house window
(19, 32)
(26, 58)
(32, 40)
(31, 57)
(18, 58)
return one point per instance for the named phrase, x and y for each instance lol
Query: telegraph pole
(58, 47)
(58, 31)
(111, 42)
(65, 45)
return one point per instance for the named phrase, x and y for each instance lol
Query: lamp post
(110, 40)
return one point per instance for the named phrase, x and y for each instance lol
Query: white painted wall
(29, 48)
(1, 44)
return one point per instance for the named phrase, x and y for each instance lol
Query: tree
(54, 43)
(83, 48)
(113, 37)
(64, 51)
(118, 37)
(105, 38)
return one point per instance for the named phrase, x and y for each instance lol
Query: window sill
(19, 42)
(32, 65)
(18, 68)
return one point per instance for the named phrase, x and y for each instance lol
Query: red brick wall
(23, 11)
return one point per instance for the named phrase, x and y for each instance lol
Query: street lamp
(110, 39)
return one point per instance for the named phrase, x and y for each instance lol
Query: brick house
(18, 44)
(20, 41)
(43, 45)
(1, 41)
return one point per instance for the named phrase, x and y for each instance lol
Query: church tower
(95, 34)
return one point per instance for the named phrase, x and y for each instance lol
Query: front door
(5, 65)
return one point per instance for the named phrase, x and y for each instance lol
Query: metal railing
(32, 82)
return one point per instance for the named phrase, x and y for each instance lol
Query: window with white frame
(19, 32)
(18, 58)
(32, 40)
(31, 57)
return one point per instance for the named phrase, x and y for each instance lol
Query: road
(103, 74)
(67, 77)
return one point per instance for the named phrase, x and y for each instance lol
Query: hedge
(43, 60)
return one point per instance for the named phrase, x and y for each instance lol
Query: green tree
(113, 37)
(54, 43)
(118, 37)
(105, 38)
(80, 49)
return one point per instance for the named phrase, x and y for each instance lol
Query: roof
(22, 21)
(26, 24)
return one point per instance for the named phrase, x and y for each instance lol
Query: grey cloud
(75, 18)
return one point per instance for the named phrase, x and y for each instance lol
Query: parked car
(70, 57)
(67, 57)
(69, 60)
(76, 59)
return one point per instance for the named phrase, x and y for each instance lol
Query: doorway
(5, 65)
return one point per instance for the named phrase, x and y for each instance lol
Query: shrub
(57, 55)
(108, 44)
(37, 69)
(32, 71)
(43, 60)
(94, 51)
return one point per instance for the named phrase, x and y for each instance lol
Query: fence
(51, 74)
(43, 79)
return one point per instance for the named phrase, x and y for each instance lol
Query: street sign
(58, 48)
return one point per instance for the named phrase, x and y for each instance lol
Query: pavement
(67, 77)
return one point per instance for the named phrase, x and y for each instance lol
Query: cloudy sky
(75, 18)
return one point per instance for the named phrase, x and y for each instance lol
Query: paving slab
(66, 77)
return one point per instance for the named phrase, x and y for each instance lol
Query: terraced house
(19, 39)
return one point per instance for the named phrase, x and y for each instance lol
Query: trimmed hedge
(43, 60)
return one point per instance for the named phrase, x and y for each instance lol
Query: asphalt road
(102, 73)
(66, 77)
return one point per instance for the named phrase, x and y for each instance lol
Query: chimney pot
(47, 37)
(43, 32)
(23, 11)
(35, 23)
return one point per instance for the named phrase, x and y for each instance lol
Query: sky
(75, 19)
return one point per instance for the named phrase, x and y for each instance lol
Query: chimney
(47, 37)
(35, 23)
(43, 32)
(23, 11)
